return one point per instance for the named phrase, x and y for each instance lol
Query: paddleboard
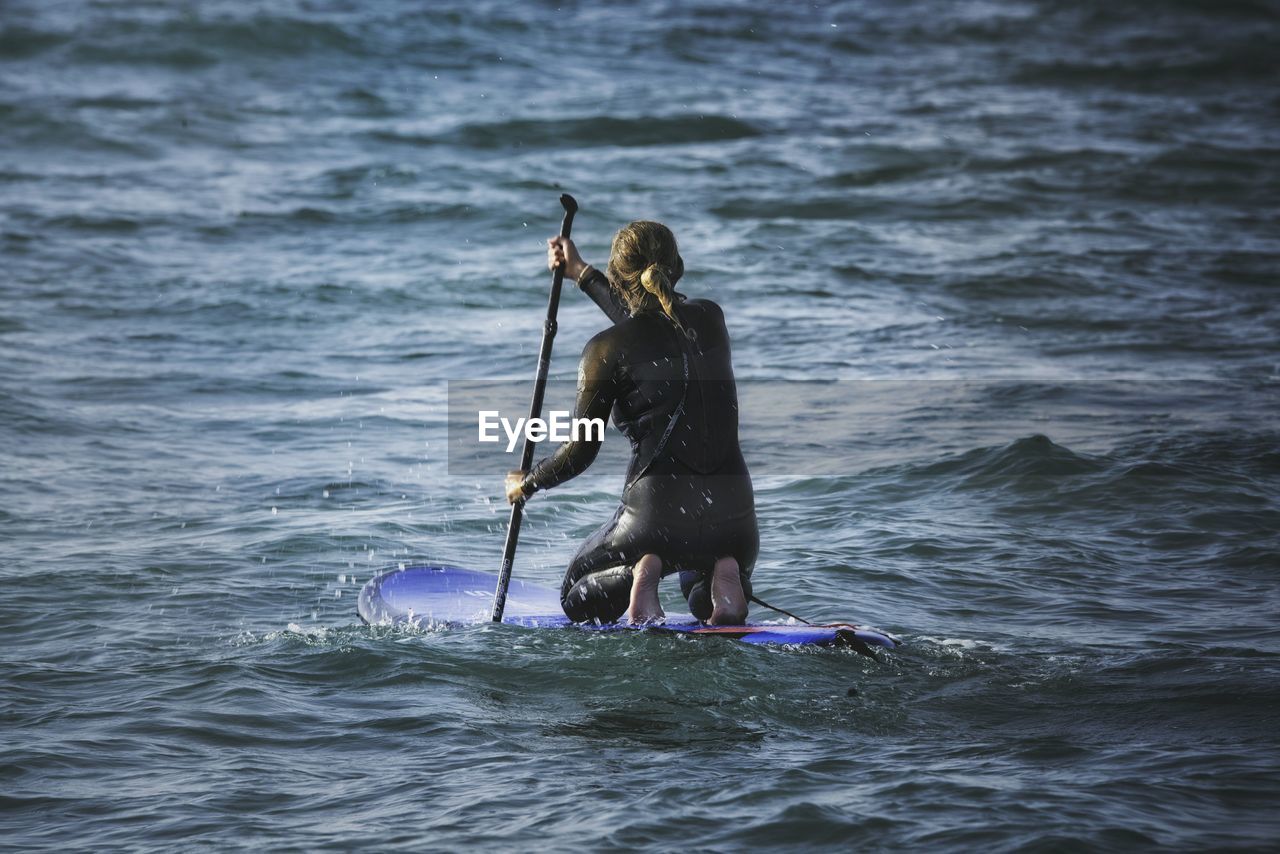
(433, 594)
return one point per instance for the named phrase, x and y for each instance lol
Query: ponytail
(657, 281)
(644, 266)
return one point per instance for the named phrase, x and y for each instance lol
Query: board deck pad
(438, 594)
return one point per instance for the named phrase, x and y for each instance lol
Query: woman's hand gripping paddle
(535, 411)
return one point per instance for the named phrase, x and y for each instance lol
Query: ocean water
(1018, 260)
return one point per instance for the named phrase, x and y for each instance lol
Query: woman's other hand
(560, 250)
(515, 486)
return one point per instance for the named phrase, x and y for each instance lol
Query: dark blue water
(244, 248)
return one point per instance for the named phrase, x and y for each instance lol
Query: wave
(870, 207)
(107, 224)
(36, 128)
(1030, 285)
(363, 102)
(117, 102)
(187, 43)
(146, 53)
(18, 42)
(309, 215)
(1201, 171)
(881, 164)
(639, 131)
(1234, 465)
(343, 183)
(1244, 64)
(25, 416)
(1033, 456)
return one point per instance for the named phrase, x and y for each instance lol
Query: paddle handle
(535, 411)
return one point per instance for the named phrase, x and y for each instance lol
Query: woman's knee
(602, 596)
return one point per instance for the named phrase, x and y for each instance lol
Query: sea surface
(1018, 260)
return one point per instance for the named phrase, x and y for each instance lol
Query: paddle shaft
(535, 411)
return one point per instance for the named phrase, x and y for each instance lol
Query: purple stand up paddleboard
(432, 594)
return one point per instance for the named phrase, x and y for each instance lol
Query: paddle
(535, 411)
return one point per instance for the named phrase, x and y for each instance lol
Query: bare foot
(645, 607)
(728, 603)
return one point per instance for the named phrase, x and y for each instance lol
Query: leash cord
(765, 604)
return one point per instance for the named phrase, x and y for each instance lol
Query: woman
(687, 507)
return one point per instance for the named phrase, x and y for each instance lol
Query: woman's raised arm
(592, 282)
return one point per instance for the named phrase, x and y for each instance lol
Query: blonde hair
(644, 266)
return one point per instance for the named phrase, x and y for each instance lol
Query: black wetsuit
(688, 496)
